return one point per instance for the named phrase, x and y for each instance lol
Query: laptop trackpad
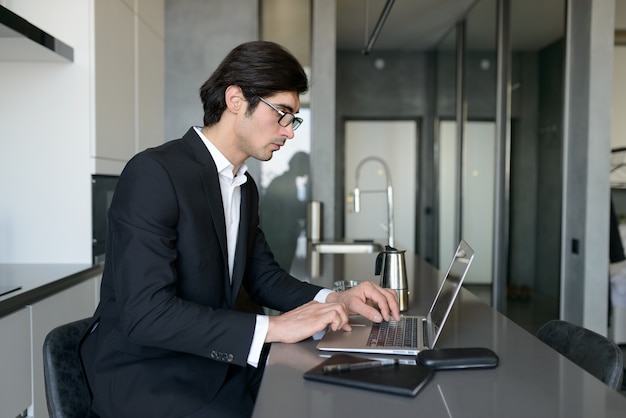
(359, 321)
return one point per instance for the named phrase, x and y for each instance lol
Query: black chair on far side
(67, 394)
(593, 352)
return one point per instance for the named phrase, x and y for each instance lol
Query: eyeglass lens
(285, 117)
(288, 118)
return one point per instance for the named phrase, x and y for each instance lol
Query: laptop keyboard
(403, 333)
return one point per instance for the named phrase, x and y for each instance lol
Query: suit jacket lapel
(212, 190)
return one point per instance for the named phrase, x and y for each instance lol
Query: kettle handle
(379, 264)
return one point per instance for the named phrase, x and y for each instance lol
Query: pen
(344, 367)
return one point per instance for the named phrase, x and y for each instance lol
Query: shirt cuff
(261, 327)
(322, 295)
(258, 339)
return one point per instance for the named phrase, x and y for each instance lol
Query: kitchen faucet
(388, 190)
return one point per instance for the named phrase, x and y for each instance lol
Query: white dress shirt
(230, 185)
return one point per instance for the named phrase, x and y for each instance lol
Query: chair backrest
(593, 352)
(67, 394)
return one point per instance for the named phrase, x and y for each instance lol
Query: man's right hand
(306, 320)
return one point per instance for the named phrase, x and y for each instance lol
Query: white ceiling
(422, 24)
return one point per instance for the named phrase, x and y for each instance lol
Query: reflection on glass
(446, 77)
(285, 190)
(446, 138)
(534, 154)
(474, 154)
(537, 74)
(478, 144)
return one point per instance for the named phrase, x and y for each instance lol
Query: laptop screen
(450, 286)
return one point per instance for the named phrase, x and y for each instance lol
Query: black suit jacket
(166, 330)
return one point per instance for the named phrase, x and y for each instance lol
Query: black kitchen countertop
(24, 284)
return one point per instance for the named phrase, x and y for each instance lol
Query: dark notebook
(398, 379)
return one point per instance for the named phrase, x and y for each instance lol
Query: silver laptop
(411, 334)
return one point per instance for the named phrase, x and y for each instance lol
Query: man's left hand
(356, 301)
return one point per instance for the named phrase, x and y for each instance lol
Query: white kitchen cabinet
(98, 110)
(129, 80)
(15, 378)
(152, 12)
(151, 77)
(115, 80)
(74, 303)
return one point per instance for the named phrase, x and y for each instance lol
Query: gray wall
(198, 35)
(398, 90)
(481, 85)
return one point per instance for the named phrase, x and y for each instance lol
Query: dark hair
(259, 68)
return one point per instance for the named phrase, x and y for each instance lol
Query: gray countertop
(532, 380)
(34, 282)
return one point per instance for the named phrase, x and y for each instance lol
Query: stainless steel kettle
(391, 263)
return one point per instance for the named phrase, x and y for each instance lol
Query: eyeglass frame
(295, 122)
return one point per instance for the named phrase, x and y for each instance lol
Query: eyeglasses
(286, 118)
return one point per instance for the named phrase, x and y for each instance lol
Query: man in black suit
(166, 340)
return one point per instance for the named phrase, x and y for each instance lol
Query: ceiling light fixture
(379, 25)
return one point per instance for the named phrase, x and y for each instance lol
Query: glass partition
(284, 183)
(533, 142)
(479, 140)
(445, 148)
(536, 149)
(466, 140)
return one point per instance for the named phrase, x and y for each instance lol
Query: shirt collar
(224, 167)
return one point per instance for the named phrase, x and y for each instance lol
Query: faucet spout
(316, 246)
(388, 190)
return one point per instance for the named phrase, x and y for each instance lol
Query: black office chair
(67, 394)
(596, 354)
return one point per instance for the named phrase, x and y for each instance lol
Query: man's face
(259, 134)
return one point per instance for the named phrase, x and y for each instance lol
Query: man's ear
(234, 99)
